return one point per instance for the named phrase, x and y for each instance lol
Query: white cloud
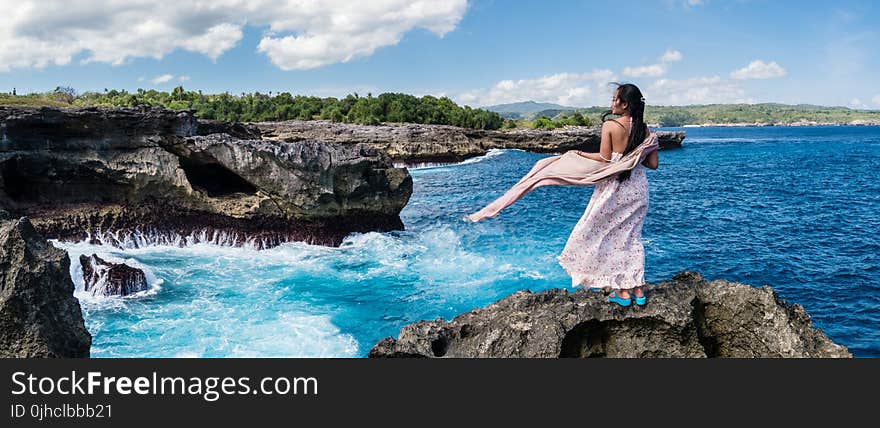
(654, 70)
(876, 100)
(301, 34)
(568, 89)
(698, 90)
(758, 69)
(592, 89)
(165, 78)
(162, 78)
(357, 29)
(671, 56)
(857, 103)
(216, 40)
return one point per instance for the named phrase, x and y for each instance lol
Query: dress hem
(608, 282)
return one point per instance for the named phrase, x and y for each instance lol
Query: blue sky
(477, 52)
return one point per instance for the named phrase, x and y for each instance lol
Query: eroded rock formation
(687, 317)
(39, 317)
(412, 144)
(149, 175)
(104, 278)
(129, 176)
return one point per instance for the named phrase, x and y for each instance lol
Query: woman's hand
(591, 156)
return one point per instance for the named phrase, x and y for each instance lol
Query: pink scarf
(567, 169)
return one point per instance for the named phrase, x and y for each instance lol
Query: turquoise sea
(794, 208)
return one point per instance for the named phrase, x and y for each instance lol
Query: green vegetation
(57, 98)
(677, 118)
(397, 107)
(769, 113)
(258, 107)
(562, 119)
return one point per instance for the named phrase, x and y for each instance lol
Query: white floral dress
(605, 248)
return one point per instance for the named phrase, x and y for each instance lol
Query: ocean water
(794, 208)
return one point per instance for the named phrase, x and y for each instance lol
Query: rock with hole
(687, 317)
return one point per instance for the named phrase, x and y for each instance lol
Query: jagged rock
(39, 317)
(688, 317)
(412, 144)
(111, 279)
(243, 131)
(126, 176)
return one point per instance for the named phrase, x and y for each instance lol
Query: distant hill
(516, 110)
(702, 114)
(765, 113)
(743, 114)
(551, 113)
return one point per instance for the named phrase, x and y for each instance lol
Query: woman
(605, 248)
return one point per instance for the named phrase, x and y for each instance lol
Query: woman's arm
(605, 146)
(652, 160)
(593, 156)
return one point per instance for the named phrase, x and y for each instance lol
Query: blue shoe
(640, 300)
(595, 289)
(613, 298)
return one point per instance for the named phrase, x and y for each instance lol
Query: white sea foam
(146, 238)
(214, 300)
(491, 153)
(239, 311)
(110, 254)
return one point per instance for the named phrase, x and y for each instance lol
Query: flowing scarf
(567, 169)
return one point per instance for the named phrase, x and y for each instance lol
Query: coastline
(199, 146)
(762, 124)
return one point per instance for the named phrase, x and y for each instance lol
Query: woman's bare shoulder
(615, 122)
(617, 130)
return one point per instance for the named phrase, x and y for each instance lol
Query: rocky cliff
(687, 317)
(411, 144)
(39, 317)
(128, 176)
(148, 175)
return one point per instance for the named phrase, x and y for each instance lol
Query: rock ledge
(687, 317)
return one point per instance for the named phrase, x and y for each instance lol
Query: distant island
(430, 110)
(766, 114)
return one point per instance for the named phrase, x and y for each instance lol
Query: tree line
(260, 107)
(405, 108)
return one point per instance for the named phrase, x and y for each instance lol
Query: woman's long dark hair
(635, 105)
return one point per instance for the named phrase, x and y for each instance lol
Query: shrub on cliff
(561, 120)
(260, 107)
